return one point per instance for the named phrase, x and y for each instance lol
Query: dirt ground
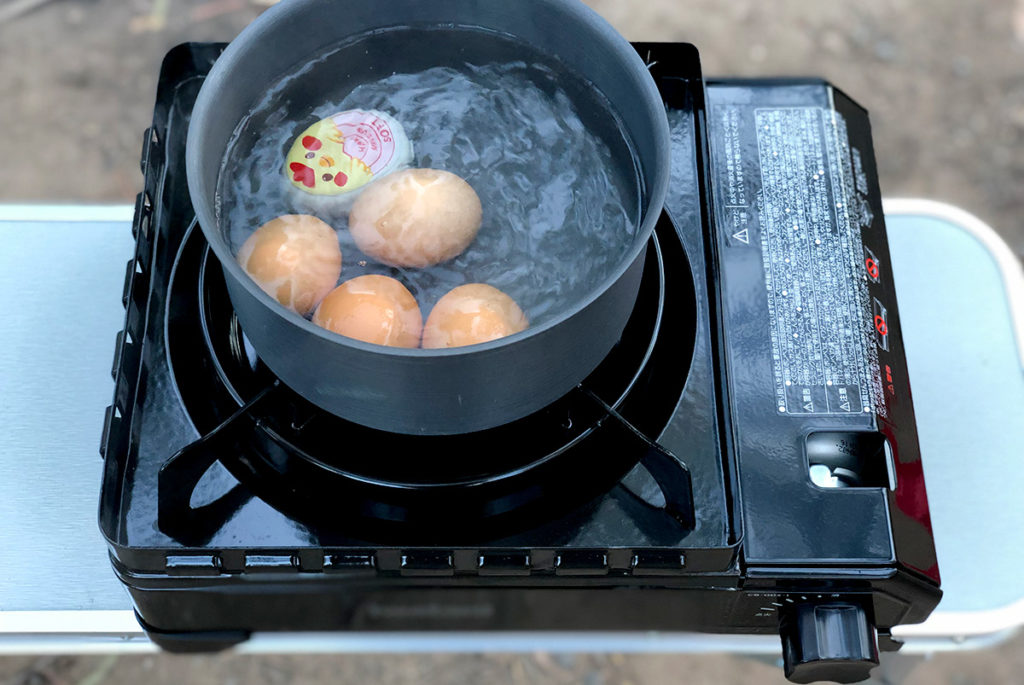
(996, 667)
(943, 79)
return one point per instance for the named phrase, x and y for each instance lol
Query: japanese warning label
(823, 326)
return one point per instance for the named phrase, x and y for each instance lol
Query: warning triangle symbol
(845, 406)
(742, 235)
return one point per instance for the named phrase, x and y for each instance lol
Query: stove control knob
(828, 641)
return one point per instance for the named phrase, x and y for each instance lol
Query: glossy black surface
(787, 518)
(628, 459)
(263, 522)
(319, 467)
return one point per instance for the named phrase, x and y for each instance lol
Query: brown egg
(416, 217)
(472, 314)
(374, 309)
(295, 259)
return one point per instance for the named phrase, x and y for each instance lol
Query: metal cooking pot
(448, 391)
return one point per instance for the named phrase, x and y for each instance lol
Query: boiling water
(540, 146)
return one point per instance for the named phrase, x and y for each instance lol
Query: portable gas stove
(744, 461)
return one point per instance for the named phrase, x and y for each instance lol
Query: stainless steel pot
(455, 390)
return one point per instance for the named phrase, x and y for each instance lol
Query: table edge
(1009, 265)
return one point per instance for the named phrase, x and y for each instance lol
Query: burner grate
(304, 460)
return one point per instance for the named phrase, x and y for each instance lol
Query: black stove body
(745, 460)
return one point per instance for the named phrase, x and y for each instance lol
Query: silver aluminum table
(961, 293)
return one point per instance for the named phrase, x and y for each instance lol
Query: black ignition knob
(830, 641)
